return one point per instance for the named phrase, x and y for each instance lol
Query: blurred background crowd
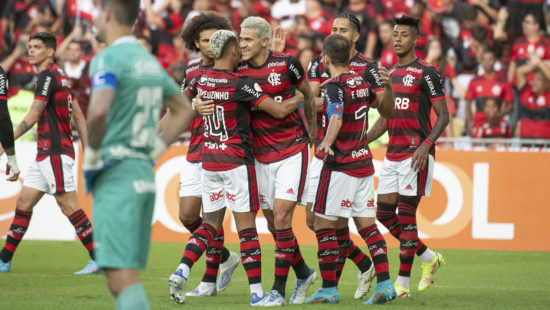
(494, 55)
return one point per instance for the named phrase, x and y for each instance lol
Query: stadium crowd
(495, 64)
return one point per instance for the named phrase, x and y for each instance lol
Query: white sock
(428, 256)
(256, 288)
(403, 281)
(184, 270)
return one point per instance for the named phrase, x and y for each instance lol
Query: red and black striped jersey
(415, 87)
(488, 130)
(54, 124)
(522, 48)
(227, 142)
(349, 96)
(359, 64)
(482, 88)
(276, 139)
(194, 68)
(534, 114)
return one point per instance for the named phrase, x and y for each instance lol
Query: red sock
(213, 258)
(17, 230)
(378, 251)
(251, 255)
(327, 255)
(197, 244)
(409, 234)
(84, 230)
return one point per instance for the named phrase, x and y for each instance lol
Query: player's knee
(282, 221)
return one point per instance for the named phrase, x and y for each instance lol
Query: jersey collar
(124, 39)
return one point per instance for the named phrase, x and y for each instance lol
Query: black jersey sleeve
(6, 126)
(295, 70)
(432, 84)
(249, 91)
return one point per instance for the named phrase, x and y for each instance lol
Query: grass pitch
(41, 278)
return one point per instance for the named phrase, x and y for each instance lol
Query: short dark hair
(338, 49)
(49, 40)
(233, 41)
(204, 21)
(353, 21)
(410, 21)
(469, 64)
(479, 33)
(126, 11)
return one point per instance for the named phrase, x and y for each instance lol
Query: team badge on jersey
(408, 80)
(274, 78)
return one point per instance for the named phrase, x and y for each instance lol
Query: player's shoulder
(424, 64)
(477, 79)
(317, 59)
(544, 41)
(280, 55)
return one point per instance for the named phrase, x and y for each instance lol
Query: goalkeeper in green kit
(129, 88)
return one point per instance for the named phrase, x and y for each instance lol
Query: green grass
(41, 278)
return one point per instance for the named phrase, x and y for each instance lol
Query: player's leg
(348, 249)
(213, 201)
(314, 174)
(28, 198)
(123, 206)
(408, 201)
(289, 188)
(333, 201)
(244, 202)
(58, 170)
(363, 214)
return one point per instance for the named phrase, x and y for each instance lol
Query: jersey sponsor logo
(274, 78)
(216, 196)
(3, 84)
(254, 92)
(408, 80)
(276, 64)
(295, 71)
(351, 83)
(46, 85)
(210, 81)
(215, 146)
(358, 64)
(431, 85)
(142, 186)
(193, 68)
(360, 93)
(147, 67)
(359, 153)
(414, 69)
(496, 89)
(346, 204)
(230, 197)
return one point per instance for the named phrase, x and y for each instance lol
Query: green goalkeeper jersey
(140, 84)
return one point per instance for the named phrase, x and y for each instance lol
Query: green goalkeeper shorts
(123, 205)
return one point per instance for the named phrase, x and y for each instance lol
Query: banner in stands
(480, 200)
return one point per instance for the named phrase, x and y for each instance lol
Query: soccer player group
(248, 150)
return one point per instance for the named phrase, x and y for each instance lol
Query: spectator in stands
(386, 54)
(318, 19)
(366, 15)
(165, 21)
(492, 126)
(489, 85)
(469, 66)
(530, 43)
(393, 8)
(534, 112)
(284, 12)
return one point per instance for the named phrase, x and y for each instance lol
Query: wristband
(428, 141)
(12, 162)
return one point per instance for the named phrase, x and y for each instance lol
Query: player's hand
(12, 167)
(325, 148)
(279, 40)
(385, 77)
(92, 166)
(418, 162)
(204, 108)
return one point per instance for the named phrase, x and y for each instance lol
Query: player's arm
(180, 114)
(335, 107)
(433, 87)
(280, 110)
(100, 102)
(6, 132)
(386, 104)
(316, 91)
(377, 130)
(298, 78)
(78, 121)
